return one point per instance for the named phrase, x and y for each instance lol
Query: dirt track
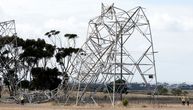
(50, 106)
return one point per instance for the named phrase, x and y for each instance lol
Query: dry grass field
(136, 102)
(51, 106)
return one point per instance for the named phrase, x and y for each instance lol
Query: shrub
(125, 102)
(144, 106)
(162, 90)
(176, 92)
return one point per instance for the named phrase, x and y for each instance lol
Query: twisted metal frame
(119, 46)
(9, 55)
(8, 29)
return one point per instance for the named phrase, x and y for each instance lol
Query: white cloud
(172, 28)
(172, 18)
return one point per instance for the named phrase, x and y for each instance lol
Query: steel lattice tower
(119, 46)
(8, 54)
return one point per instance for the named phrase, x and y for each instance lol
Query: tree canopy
(24, 63)
(45, 78)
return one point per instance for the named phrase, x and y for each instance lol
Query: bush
(45, 78)
(125, 102)
(176, 92)
(144, 106)
(162, 90)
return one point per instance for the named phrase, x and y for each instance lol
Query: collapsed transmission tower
(119, 46)
(8, 52)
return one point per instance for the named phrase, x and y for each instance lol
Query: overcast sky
(171, 23)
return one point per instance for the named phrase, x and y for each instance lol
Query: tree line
(35, 64)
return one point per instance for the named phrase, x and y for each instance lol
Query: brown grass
(136, 102)
(51, 106)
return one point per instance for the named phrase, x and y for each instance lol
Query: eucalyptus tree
(45, 78)
(36, 53)
(63, 54)
(71, 39)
